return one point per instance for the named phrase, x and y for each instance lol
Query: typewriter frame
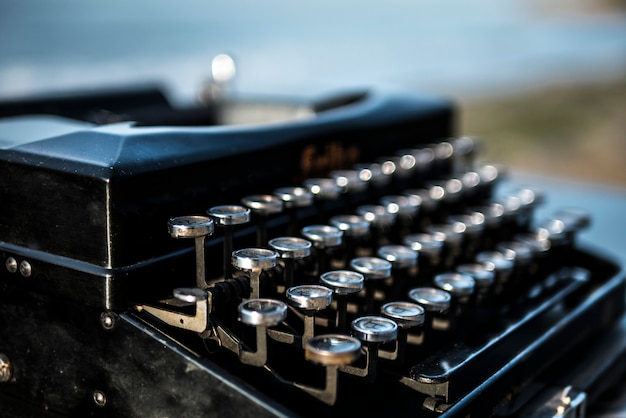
(75, 345)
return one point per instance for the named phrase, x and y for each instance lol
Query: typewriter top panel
(129, 148)
(113, 187)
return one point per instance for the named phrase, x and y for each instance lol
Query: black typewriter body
(104, 311)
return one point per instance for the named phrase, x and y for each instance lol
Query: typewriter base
(67, 364)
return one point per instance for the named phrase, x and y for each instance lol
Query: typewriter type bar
(357, 262)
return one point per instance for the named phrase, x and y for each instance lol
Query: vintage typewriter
(344, 256)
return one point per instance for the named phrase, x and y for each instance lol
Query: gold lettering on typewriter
(334, 156)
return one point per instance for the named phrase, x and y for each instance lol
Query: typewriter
(343, 256)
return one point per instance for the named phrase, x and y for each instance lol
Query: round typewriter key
(310, 297)
(351, 225)
(190, 294)
(457, 284)
(291, 247)
(229, 215)
(332, 349)
(402, 205)
(263, 204)
(372, 268)
(294, 197)
(431, 299)
(497, 259)
(399, 256)
(425, 244)
(483, 276)
(254, 261)
(405, 314)
(323, 236)
(490, 173)
(470, 180)
(262, 312)
(519, 252)
(254, 258)
(574, 218)
(348, 180)
(343, 282)
(323, 188)
(372, 174)
(197, 227)
(374, 329)
(190, 226)
(377, 215)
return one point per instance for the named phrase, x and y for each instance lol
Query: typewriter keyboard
(417, 278)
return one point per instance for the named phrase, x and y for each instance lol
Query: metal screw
(99, 398)
(108, 320)
(11, 265)
(5, 368)
(25, 269)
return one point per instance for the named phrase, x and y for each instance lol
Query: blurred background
(544, 83)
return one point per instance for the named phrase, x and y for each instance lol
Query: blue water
(452, 47)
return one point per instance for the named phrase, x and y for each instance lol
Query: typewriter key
(377, 215)
(489, 174)
(263, 206)
(406, 208)
(374, 329)
(429, 249)
(332, 349)
(262, 312)
(483, 276)
(431, 299)
(503, 269)
(403, 260)
(348, 181)
(324, 238)
(373, 269)
(290, 249)
(190, 294)
(294, 198)
(472, 228)
(343, 283)
(400, 256)
(351, 225)
(471, 181)
(452, 238)
(381, 222)
(427, 211)
(405, 314)
(356, 230)
(323, 188)
(460, 286)
(254, 261)
(228, 216)
(309, 298)
(372, 174)
(197, 227)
